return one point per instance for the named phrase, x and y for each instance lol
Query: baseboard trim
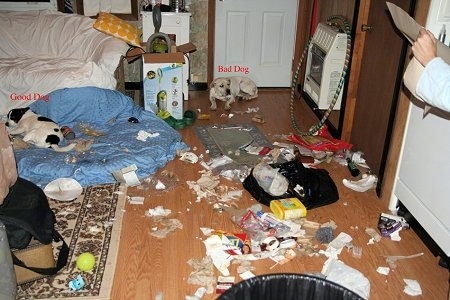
(198, 86)
(133, 85)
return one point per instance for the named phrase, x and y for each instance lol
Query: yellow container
(289, 208)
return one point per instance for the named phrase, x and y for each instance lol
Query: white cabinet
(176, 24)
(423, 172)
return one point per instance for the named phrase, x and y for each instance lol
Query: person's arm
(434, 83)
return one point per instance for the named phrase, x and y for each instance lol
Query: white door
(255, 38)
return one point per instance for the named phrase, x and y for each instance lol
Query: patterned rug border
(101, 282)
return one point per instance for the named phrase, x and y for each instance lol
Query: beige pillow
(112, 25)
(8, 170)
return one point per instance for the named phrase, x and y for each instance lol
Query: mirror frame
(134, 16)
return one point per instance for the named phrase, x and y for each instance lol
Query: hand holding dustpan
(410, 29)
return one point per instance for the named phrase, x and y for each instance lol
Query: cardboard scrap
(412, 287)
(224, 283)
(127, 175)
(383, 270)
(246, 275)
(170, 225)
(135, 200)
(392, 259)
(144, 135)
(158, 211)
(216, 248)
(337, 244)
(208, 187)
(375, 236)
(283, 257)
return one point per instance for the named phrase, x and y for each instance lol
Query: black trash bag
(26, 213)
(313, 187)
(288, 287)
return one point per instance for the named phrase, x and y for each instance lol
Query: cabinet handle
(365, 27)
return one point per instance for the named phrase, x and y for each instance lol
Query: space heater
(325, 62)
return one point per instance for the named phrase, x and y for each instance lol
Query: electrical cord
(327, 113)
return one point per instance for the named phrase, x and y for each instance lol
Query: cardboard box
(154, 82)
(163, 83)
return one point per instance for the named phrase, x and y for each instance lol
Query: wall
(438, 16)
(199, 36)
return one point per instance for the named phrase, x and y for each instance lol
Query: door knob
(365, 27)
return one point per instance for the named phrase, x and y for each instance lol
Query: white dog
(37, 130)
(229, 88)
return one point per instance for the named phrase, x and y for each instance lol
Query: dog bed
(100, 116)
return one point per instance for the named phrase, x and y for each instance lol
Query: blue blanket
(107, 112)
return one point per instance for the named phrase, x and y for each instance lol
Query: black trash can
(288, 287)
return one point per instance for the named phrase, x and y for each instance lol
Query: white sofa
(42, 51)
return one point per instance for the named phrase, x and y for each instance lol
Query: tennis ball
(85, 262)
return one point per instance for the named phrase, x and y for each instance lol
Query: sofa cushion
(112, 25)
(48, 34)
(42, 51)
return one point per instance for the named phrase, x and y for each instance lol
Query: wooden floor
(148, 266)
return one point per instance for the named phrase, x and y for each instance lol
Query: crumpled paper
(203, 273)
(337, 244)
(216, 249)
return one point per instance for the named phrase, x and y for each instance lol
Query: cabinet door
(424, 171)
(378, 86)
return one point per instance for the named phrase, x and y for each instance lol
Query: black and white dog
(36, 129)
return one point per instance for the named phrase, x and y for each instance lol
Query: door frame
(301, 36)
(420, 15)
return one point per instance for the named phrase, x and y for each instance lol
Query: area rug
(231, 140)
(90, 223)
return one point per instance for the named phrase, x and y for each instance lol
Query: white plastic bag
(338, 272)
(270, 180)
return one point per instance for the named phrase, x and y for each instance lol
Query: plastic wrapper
(257, 224)
(323, 141)
(270, 180)
(256, 229)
